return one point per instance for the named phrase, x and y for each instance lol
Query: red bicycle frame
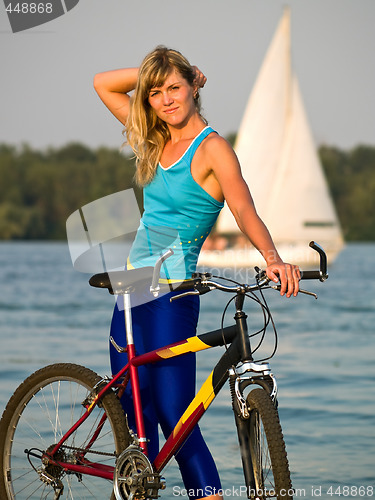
(190, 417)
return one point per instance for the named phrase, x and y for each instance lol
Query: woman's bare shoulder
(218, 150)
(216, 140)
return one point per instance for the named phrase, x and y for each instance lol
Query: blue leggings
(167, 387)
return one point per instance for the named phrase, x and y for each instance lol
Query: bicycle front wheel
(43, 408)
(267, 449)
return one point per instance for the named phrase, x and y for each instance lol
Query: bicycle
(64, 429)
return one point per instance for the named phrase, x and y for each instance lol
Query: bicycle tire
(40, 411)
(267, 449)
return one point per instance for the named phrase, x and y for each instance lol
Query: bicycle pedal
(153, 483)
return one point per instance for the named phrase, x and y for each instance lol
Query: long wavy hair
(146, 133)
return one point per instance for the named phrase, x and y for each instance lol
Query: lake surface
(324, 364)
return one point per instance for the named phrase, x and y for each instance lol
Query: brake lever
(200, 291)
(184, 294)
(306, 292)
(262, 275)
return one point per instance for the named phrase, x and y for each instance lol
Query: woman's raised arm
(113, 88)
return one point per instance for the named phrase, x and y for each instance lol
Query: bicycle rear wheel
(38, 414)
(267, 449)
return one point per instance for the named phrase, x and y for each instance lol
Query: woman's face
(173, 102)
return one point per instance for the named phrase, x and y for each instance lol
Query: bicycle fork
(247, 373)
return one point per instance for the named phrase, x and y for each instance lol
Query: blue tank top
(178, 214)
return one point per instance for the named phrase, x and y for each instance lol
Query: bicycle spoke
(43, 409)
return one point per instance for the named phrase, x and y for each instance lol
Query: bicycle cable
(270, 319)
(267, 319)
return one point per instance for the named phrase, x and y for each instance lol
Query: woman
(187, 171)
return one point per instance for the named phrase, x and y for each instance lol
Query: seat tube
(134, 379)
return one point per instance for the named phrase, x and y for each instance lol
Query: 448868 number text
(30, 8)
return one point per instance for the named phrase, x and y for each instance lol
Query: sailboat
(280, 164)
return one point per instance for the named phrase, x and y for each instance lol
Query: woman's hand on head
(288, 275)
(200, 80)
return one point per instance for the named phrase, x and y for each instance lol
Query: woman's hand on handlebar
(288, 275)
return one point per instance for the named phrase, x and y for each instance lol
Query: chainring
(134, 478)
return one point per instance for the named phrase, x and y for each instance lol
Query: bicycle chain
(107, 454)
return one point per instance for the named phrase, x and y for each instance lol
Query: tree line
(351, 179)
(40, 189)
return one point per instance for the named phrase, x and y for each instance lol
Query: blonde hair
(146, 133)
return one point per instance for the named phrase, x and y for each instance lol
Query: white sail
(280, 164)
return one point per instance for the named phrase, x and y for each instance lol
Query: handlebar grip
(180, 286)
(311, 275)
(185, 285)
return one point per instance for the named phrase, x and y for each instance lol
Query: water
(324, 364)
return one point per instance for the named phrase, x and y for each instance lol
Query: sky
(47, 97)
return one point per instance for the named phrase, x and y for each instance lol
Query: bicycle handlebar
(201, 282)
